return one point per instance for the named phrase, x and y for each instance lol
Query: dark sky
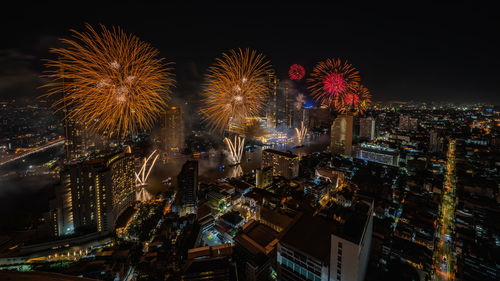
(422, 52)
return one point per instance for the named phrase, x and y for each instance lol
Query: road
(444, 252)
(41, 148)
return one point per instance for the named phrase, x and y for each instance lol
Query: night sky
(422, 52)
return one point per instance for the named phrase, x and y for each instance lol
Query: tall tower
(187, 182)
(271, 107)
(367, 128)
(341, 134)
(172, 130)
(101, 189)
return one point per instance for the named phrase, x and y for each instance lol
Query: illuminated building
(379, 154)
(342, 134)
(271, 108)
(172, 130)
(101, 189)
(436, 142)
(80, 142)
(285, 164)
(318, 248)
(187, 182)
(285, 104)
(367, 128)
(264, 177)
(406, 123)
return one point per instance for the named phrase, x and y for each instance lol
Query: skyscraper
(367, 128)
(342, 134)
(187, 182)
(101, 189)
(80, 142)
(436, 142)
(172, 130)
(271, 106)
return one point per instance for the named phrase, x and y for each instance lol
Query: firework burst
(109, 80)
(235, 88)
(331, 80)
(356, 100)
(296, 72)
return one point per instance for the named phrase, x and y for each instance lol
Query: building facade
(342, 134)
(285, 164)
(187, 181)
(367, 128)
(96, 192)
(172, 130)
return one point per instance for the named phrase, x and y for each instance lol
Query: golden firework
(111, 81)
(235, 88)
(331, 79)
(356, 100)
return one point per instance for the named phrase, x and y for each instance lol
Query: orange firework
(331, 80)
(356, 100)
(110, 81)
(235, 88)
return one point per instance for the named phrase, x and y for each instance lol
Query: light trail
(301, 134)
(444, 253)
(42, 148)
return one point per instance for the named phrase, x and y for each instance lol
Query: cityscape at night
(251, 141)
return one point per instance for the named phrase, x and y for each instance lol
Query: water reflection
(215, 166)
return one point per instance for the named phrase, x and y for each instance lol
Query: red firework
(296, 72)
(334, 84)
(352, 99)
(331, 80)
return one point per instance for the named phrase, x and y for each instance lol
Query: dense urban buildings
(152, 148)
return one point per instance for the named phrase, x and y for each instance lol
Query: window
(340, 245)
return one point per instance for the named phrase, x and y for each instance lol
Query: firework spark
(235, 88)
(356, 101)
(235, 149)
(109, 80)
(331, 79)
(301, 134)
(296, 72)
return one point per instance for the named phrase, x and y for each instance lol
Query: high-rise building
(327, 249)
(264, 177)
(285, 164)
(80, 142)
(342, 134)
(367, 128)
(436, 142)
(406, 123)
(187, 182)
(271, 105)
(101, 189)
(172, 130)
(285, 99)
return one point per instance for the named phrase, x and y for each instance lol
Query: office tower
(285, 99)
(172, 130)
(271, 105)
(406, 123)
(187, 182)
(285, 164)
(334, 248)
(436, 142)
(342, 134)
(101, 189)
(379, 154)
(367, 128)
